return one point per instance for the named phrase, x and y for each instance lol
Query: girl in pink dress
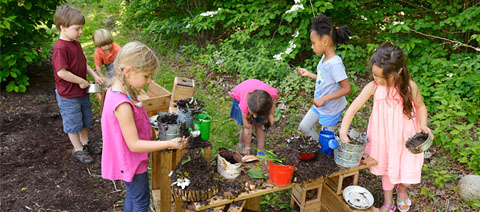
(398, 113)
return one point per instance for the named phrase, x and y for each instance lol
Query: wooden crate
(299, 193)
(338, 183)
(182, 88)
(307, 208)
(331, 202)
(163, 163)
(156, 99)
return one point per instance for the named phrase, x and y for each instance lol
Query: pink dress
(388, 129)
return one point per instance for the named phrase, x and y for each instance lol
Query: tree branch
(446, 39)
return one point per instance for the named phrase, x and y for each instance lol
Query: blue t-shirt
(329, 74)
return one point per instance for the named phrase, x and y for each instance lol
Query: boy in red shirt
(70, 69)
(105, 53)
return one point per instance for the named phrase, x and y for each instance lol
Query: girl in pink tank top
(398, 112)
(126, 131)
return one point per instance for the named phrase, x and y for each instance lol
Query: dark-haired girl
(331, 80)
(253, 106)
(398, 112)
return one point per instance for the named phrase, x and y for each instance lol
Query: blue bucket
(327, 141)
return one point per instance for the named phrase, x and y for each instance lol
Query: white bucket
(227, 169)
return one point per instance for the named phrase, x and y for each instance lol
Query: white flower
(170, 174)
(364, 18)
(402, 13)
(450, 75)
(297, 1)
(182, 182)
(210, 13)
(278, 56)
(295, 34)
(219, 61)
(289, 50)
(188, 26)
(396, 23)
(295, 8)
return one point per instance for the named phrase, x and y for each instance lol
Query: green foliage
(24, 36)
(256, 174)
(269, 155)
(440, 176)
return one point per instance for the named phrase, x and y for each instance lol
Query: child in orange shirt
(105, 53)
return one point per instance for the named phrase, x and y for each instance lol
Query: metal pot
(94, 88)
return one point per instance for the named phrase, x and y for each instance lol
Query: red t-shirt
(69, 55)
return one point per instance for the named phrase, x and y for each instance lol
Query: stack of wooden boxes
(182, 88)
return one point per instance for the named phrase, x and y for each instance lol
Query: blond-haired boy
(106, 51)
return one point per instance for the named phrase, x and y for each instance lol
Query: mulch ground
(37, 171)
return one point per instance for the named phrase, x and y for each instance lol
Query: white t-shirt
(329, 74)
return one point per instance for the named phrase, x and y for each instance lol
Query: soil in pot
(416, 140)
(303, 144)
(197, 169)
(320, 166)
(196, 105)
(291, 156)
(168, 118)
(196, 142)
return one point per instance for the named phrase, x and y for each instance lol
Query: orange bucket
(280, 175)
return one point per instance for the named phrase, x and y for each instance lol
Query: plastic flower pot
(307, 156)
(280, 175)
(203, 125)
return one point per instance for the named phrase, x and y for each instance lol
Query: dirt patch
(196, 142)
(38, 172)
(320, 166)
(303, 144)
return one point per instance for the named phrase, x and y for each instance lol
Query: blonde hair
(67, 16)
(102, 37)
(138, 56)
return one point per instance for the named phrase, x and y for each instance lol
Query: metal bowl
(94, 88)
(358, 197)
(420, 148)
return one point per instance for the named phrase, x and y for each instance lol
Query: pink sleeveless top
(118, 162)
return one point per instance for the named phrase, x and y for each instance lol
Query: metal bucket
(188, 114)
(169, 131)
(349, 155)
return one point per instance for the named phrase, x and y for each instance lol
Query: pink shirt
(118, 162)
(241, 91)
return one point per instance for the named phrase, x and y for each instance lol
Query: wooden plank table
(268, 187)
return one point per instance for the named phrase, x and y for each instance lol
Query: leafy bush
(23, 35)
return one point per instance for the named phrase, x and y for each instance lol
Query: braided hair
(391, 59)
(322, 24)
(138, 56)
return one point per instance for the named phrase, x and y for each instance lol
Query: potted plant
(281, 165)
(306, 145)
(193, 178)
